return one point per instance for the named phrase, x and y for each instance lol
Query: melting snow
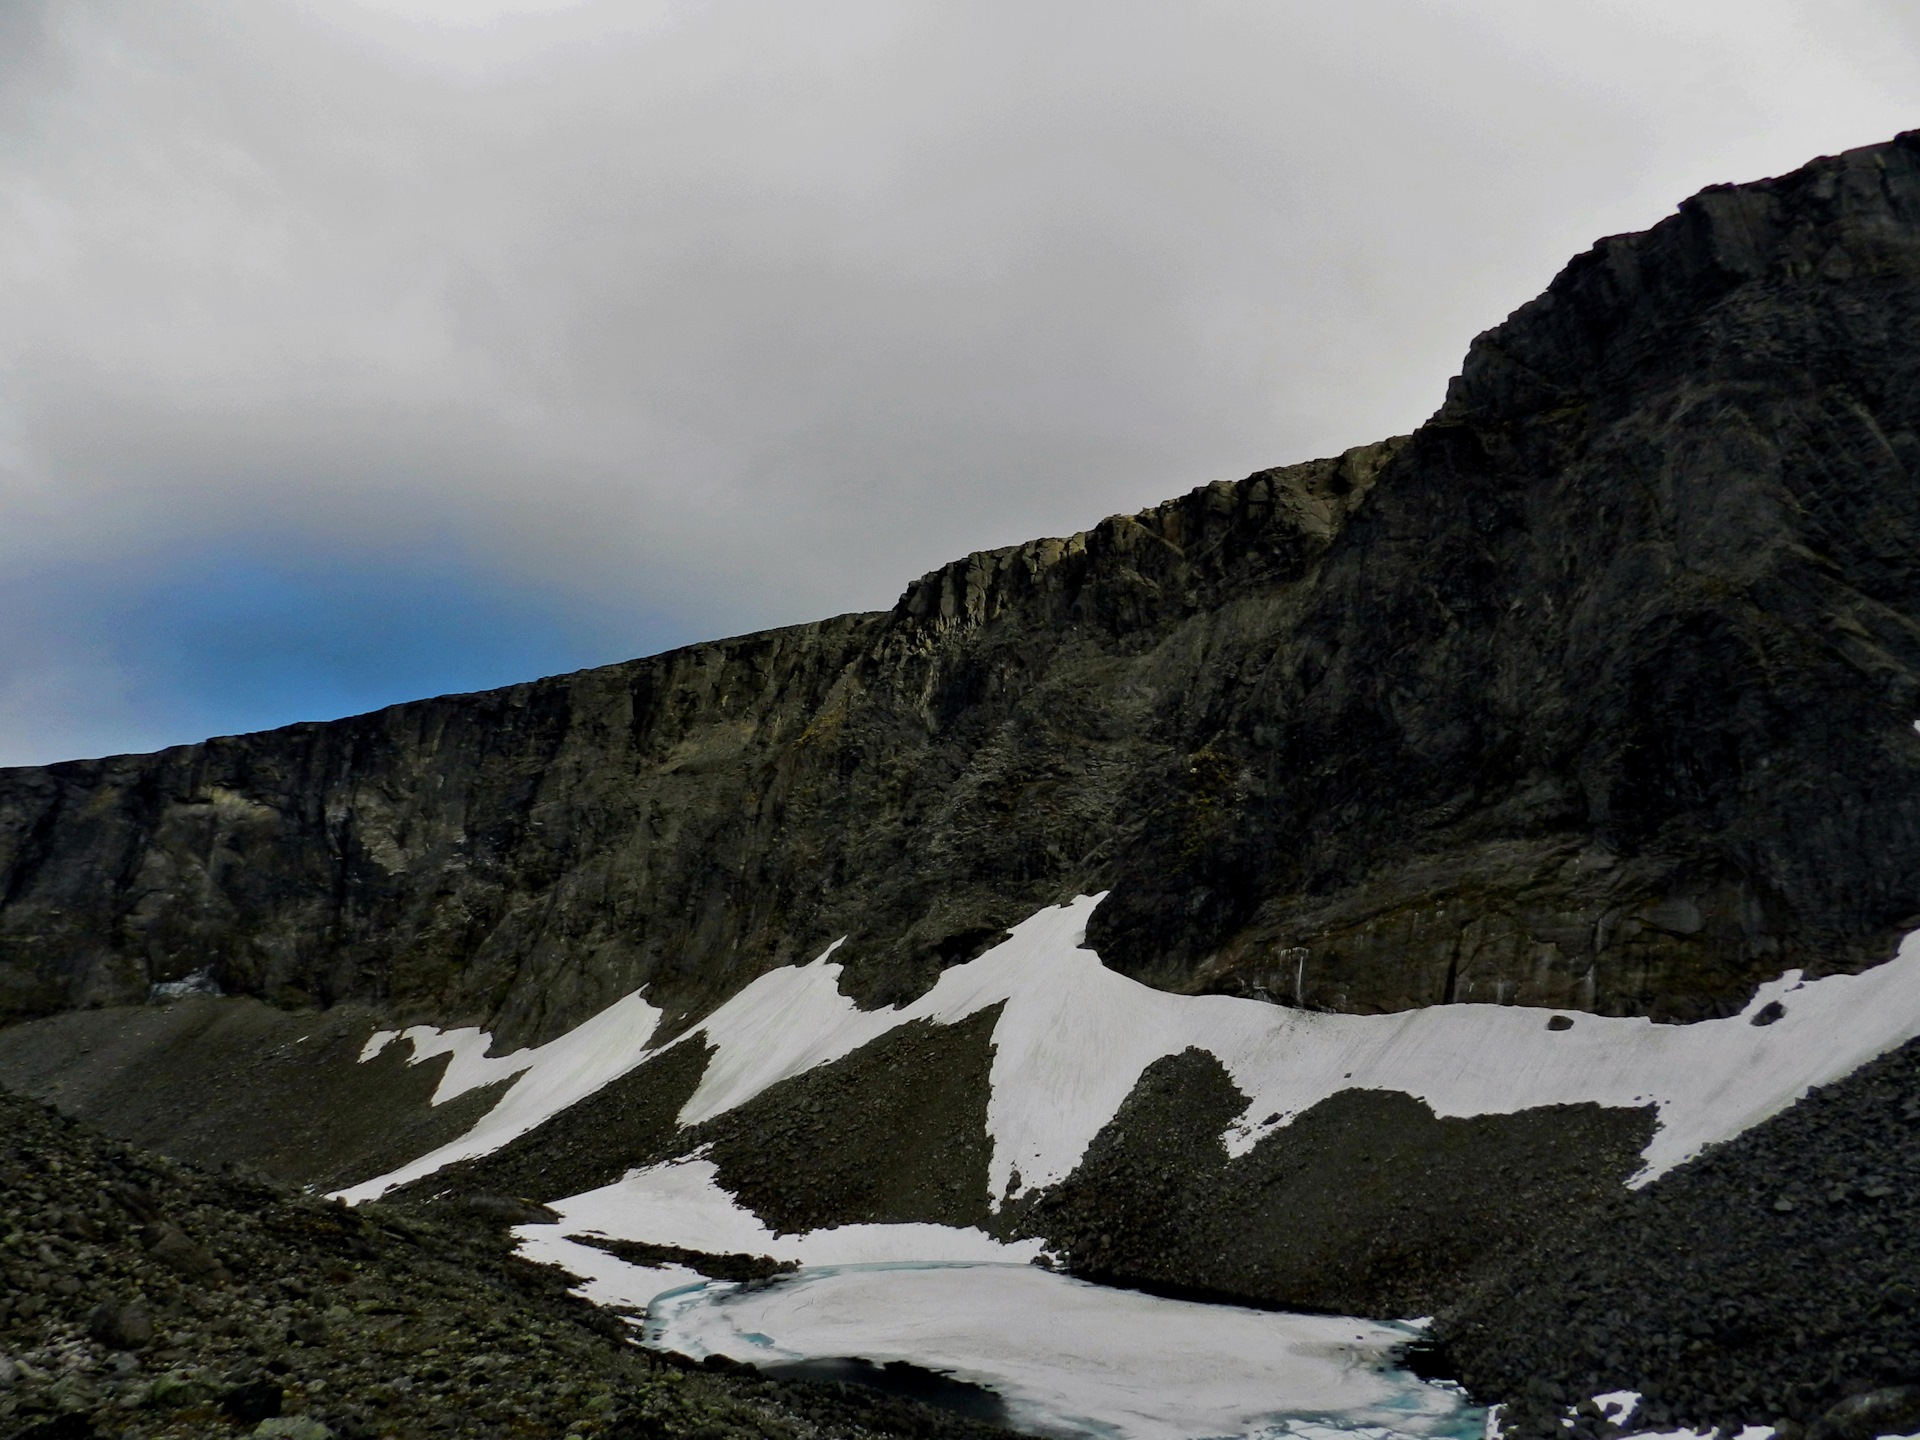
(1074, 1037)
(200, 982)
(680, 1204)
(551, 1077)
(604, 1279)
(1069, 1046)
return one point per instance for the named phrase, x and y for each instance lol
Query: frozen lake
(1065, 1357)
(1068, 1357)
(1071, 1043)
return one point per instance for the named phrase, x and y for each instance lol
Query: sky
(353, 351)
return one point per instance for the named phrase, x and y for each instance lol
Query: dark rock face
(1605, 694)
(1597, 692)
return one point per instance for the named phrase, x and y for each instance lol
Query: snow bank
(1710, 1080)
(605, 1279)
(470, 1066)
(681, 1204)
(1067, 1355)
(1070, 1044)
(550, 1078)
(1074, 1037)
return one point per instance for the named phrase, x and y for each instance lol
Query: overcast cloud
(354, 351)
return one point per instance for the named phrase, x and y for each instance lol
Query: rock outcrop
(1597, 692)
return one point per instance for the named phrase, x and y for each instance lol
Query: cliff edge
(1598, 692)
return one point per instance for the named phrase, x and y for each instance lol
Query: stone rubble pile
(1775, 1280)
(141, 1299)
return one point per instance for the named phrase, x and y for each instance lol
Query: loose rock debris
(142, 1299)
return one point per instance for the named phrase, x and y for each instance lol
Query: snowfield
(1069, 1046)
(1074, 1037)
(679, 1203)
(1065, 1356)
(546, 1080)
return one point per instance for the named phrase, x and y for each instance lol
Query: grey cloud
(747, 311)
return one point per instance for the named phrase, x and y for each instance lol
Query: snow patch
(550, 1077)
(785, 1023)
(1617, 1405)
(470, 1066)
(1074, 1037)
(604, 1279)
(200, 982)
(377, 1042)
(680, 1203)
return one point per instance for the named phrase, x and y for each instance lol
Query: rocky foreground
(1773, 1281)
(143, 1298)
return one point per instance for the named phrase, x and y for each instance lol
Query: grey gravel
(141, 1298)
(1774, 1278)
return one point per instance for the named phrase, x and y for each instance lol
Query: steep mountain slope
(1595, 692)
(1598, 693)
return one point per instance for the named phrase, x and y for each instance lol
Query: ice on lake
(1069, 1357)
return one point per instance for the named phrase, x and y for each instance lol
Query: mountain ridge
(1463, 869)
(1539, 704)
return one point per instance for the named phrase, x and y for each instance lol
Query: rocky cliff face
(1597, 692)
